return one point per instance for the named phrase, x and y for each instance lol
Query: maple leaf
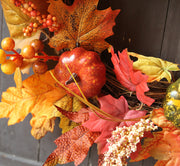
(160, 120)
(115, 107)
(37, 96)
(129, 78)
(42, 6)
(168, 149)
(148, 144)
(72, 146)
(82, 24)
(164, 146)
(155, 68)
(78, 117)
(16, 20)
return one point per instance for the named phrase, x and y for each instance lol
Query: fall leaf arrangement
(130, 109)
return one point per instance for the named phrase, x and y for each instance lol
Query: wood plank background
(148, 27)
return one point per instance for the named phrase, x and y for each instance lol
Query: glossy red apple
(86, 67)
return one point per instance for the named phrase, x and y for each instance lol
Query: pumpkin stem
(71, 80)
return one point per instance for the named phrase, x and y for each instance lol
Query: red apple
(86, 66)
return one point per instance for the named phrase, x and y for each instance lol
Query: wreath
(128, 104)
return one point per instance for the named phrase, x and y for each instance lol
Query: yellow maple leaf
(37, 96)
(155, 68)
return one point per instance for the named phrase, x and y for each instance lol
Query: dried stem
(94, 108)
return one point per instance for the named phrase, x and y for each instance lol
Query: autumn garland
(80, 89)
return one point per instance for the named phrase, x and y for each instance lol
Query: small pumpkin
(172, 103)
(87, 68)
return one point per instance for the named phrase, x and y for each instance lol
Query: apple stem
(71, 80)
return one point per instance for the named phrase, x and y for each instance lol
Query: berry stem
(55, 58)
(11, 55)
(16, 53)
(46, 58)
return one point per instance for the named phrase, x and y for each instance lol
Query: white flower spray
(124, 141)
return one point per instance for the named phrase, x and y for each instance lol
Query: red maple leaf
(72, 146)
(114, 107)
(129, 78)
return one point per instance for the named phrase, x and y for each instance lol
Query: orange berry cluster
(33, 50)
(41, 21)
(8, 66)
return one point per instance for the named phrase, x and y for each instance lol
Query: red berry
(33, 13)
(49, 22)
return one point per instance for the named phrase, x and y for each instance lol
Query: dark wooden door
(149, 27)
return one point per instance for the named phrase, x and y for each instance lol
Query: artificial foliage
(129, 108)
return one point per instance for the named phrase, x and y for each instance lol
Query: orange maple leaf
(82, 24)
(72, 146)
(165, 145)
(36, 96)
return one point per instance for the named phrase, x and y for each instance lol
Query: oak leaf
(72, 146)
(115, 107)
(37, 96)
(155, 68)
(129, 78)
(82, 24)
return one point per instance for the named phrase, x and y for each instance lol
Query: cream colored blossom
(124, 141)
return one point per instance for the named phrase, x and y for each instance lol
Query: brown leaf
(82, 24)
(72, 146)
